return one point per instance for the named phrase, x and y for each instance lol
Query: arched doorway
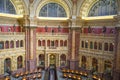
(94, 65)
(83, 62)
(107, 67)
(41, 61)
(19, 62)
(63, 60)
(52, 59)
(7, 65)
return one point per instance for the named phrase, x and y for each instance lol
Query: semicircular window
(103, 8)
(7, 7)
(52, 10)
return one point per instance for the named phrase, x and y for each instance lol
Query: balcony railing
(12, 33)
(47, 33)
(102, 35)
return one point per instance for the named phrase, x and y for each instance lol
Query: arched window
(65, 43)
(39, 42)
(43, 43)
(1, 45)
(86, 44)
(106, 46)
(107, 66)
(61, 42)
(91, 45)
(52, 43)
(7, 65)
(95, 45)
(83, 62)
(100, 46)
(11, 44)
(19, 62)
(94, 65)
(41, 60)
(52, 10)
(111, 47)
(7, 44)
(56, 43)
(48, 42)
(63, 60)
(7, 7)
(21, 43)
(104, 7)
(82, 44)
(17, 43)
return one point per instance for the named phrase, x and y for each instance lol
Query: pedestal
(31, 65)
(74, 64)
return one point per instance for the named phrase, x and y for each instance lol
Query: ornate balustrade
(12, 33)
(95, 35)
(53, 34)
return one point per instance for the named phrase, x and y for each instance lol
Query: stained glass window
(104, 7)
(52, 10)
(7, 7)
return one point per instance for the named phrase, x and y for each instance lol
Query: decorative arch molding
(63, 3)
(20, 6)
(86, 6)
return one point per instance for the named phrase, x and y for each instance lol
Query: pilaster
(116, 66)
(30, 45)
(89, 63)
(100, 65)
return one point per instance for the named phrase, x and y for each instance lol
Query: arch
(21, 43)
(7, 65)
(107, 66)
(83, 62)
(62, 60)
(20, 6)
(1, 45)
(95, 45)
(39, 42)
(111, 47)
(56, 43)
(7, 44)
(52, 60)
(82, 44)
(94, 64)
(100, 45)
(6, 6)
(91, 45)
(62, 3)
(52, 10)
(65, 43)
(17, 43)
(103, 8)
(106, 46)
(86, 6)
(52, 43)
(41, 61)
(43, 42)
(61, 42)
(19, 62)
(86, 44)
(48, 42)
